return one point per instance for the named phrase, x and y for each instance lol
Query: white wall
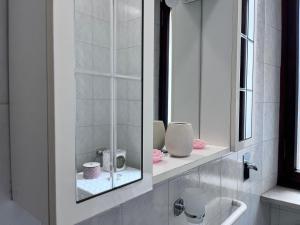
(186, 67)
(10, 213)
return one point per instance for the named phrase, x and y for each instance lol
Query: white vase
(159, 132)
(179, 139)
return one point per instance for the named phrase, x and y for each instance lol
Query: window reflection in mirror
(108, 74)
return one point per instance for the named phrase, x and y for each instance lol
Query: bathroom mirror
(177, 74)
(108, 74)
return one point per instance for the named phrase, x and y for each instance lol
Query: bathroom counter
(170, 166)
(282, 196)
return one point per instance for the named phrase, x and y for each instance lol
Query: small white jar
(179, 139)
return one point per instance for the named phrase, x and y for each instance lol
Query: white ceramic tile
(84, 56)
(270, 158)
(122, 61)
(102, 112)
(229, 174)
(84, 86)
(122, 35)
(176, 189)
(258, 80)
(273, 13)
(134, 139)
(210, 185)
(258, 116)
(272, 46)
(271, 83)
(83, 27)
(259, 31)
(149, 209)
(102, 87)
(84, 112)
(271, 121)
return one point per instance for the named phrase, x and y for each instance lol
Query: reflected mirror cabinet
(81, 86)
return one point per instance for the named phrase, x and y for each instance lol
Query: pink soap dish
(199, 144)
(157, 156)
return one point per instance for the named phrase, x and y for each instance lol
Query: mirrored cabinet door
(108, 74)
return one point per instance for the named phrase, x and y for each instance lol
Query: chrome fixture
(179, 209)
(248, 166)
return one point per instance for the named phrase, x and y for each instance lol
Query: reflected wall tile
(272, 46)
(84, 6)
(122, 35)
(134, 9)
(210, 185)
(135, 110)
(272, 83)
(271, 121)
(135, 61)
(148, 209)
(101, 33)
(84, 158)
(84, 139)
(122, 89)
(176, 189)
(102, 9)
(134, 32)
(122, 61)
(122, 112)
(84, 86)
(84, 112)
(102, 112)
(84, 56)
(134, 90)
(83, 27)
(101, 59)
(101, 87)
(101, 137)
(122, 137)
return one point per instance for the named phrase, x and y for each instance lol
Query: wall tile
(84, 56)
(111, 217)
(258, 81)
(101, 137)
(149, 209)
(134, 90)
(101, 59)
(83, 27)
(210, 185)
(101, 9)
(272, 46)
(176, 189)
(270, 158)
(271, 83)
(101, 33)
(273, 13)
(84, 139)
(271, 121)
(229, 182)
(84, 6)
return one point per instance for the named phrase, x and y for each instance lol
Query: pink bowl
(199, 144)
(157, 156)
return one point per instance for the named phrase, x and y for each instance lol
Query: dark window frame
(287, 173)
